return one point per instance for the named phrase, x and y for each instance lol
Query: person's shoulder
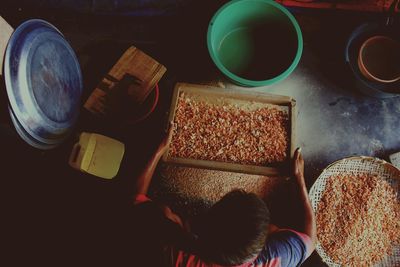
(290, 247)
(292, 234)
(293, 238)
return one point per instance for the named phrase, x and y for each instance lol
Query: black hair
(235, 229)
(231, 232)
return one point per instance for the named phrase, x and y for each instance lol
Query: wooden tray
(243, 95)
(131, 79)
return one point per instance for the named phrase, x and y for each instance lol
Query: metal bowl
(44, 83)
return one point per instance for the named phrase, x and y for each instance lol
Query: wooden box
(209, 92)
(128, 83)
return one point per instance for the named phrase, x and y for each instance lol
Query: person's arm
(144, 179)
(309, 224)
(293, 246)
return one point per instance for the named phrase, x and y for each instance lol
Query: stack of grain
(193, 189)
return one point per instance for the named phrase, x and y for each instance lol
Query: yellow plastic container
(97, 154)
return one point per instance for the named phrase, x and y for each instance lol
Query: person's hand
(163, 147)
(298, 167)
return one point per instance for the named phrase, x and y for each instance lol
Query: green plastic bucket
(254, 42)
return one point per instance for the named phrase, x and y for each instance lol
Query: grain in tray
(358, 219)
(192, 191)
(211, 185)
(225, 132)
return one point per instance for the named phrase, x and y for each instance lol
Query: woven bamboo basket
(357, 165)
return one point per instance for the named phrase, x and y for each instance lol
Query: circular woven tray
(357, 165)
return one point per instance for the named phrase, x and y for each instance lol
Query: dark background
(52, 215)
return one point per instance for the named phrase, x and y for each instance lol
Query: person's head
(234, 229)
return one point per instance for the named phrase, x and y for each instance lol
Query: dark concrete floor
(56, 216)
